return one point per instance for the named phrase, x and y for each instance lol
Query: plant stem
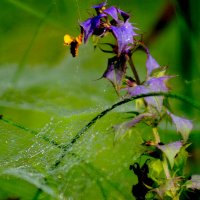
(137, 79)
(156, 135)
(166, 169)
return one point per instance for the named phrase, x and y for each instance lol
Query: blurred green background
(45, 93)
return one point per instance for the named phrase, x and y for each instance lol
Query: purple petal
(125, 15)
(158, 84)
(137, 90)
(153, 101)
(194, 183)
(124, 34)
(90, 25)
(99, 6)
(183, 126)
(151, 64)
(152, 85)
(115, 71)
(171, 150)
(112, 11)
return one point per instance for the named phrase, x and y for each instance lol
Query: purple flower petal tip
(183, 126)
(124, 34)
(112, 11)
(99, 6)
(151, 64)
(125, 15)
(90, 25)
(152, 85)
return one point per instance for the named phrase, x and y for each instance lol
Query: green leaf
(41, 114)
(156, 170)
(169, 189)
(32, 177)
(180, 161)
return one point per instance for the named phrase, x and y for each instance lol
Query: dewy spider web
(43, 112)
(27, 154)
(87, 166)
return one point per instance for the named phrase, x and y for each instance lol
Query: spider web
(41, 116)
(42, 110)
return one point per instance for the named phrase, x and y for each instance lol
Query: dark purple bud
(116, 70)
(125, 15)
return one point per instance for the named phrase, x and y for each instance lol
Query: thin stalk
(137, 79)
(166, 169)
(156, 135)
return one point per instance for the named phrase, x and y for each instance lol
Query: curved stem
(103, 113)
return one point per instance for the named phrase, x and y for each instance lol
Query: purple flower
(99, 6)
(119, 26)
(151, 64)
(124, 34)
(114, 12)
(158, 84)
(152, 85)
(125, 15)
(90, 25)
(116, 70)
(183, 126)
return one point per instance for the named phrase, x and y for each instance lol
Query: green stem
(103, 113)
(156, 135)
(166, 169)
(137, 79)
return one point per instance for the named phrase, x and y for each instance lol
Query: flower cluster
(111, 20)
(152, 109)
